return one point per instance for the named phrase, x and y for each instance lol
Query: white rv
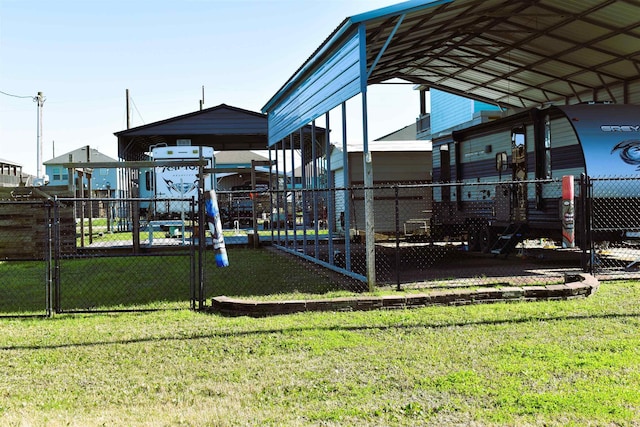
(170, 190)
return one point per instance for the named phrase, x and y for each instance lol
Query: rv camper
(170, 189)
(506, 172)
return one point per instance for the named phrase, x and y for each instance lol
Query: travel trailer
(504, 175)
(170, 189)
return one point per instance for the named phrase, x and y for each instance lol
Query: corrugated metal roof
(514, 53)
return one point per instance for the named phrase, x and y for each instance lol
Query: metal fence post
(397, 217)
(50, 220)
(56, 245)
(588, 255)
(202, 244)
(193, 279)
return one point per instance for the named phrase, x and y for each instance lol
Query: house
(104, 181)
(449, 111)
(11, 175)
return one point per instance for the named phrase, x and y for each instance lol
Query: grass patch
(553, 363)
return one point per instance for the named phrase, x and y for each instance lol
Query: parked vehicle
(505, 173)
(237, 205)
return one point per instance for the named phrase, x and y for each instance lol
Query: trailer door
(519, 169)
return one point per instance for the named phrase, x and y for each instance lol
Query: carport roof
(514, 53)
(222, 127)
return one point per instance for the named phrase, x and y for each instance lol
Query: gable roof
(407, 133)
(80, 155)
(222, 127)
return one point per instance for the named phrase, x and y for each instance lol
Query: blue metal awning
(334, 73)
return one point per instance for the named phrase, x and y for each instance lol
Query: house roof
(407, 133)
(237, 157)
(80, 155)
(9, 162)
(516, 54)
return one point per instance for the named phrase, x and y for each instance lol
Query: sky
(84, 54)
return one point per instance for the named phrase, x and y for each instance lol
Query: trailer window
(517, 136)
(148, 177)
(501, 161)
(445, 171)
(445, 164)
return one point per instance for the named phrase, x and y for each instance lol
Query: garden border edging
(579, 285)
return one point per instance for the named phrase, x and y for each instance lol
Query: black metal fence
(78, 255)
(614, 227)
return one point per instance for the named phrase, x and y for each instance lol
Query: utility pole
(128, 113)
(39, 99)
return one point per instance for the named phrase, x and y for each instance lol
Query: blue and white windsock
(215, 227)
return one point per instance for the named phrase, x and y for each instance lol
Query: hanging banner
(215, 227)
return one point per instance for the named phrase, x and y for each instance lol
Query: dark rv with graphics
(504, 174)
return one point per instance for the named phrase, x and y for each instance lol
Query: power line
(15, 96)
(136, 107)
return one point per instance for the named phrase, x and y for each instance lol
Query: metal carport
(223, 127)
(515, 54)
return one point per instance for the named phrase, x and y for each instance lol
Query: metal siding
(449, 110)
(333, 82)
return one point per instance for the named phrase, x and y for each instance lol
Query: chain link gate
(118, 265)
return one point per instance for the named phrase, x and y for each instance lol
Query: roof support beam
(386, 45)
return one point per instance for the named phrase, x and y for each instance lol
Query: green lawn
(557, 363)
(157, 282)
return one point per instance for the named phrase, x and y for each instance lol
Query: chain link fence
(420, 241)
(25, 257)
(615, 226)
(83, 255)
